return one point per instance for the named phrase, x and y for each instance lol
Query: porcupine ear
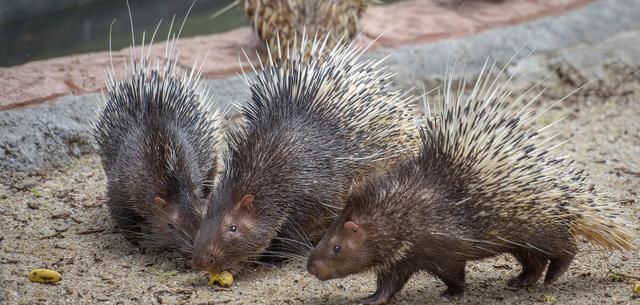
(247, 202)
(159, 202)
(353, 227)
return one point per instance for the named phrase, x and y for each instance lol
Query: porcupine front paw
(453, 293)
(376, 299)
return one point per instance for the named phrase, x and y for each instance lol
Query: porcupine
(282, 22)
(157, 138)
(310, 128)
(483, 183)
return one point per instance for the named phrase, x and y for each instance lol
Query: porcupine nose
(206, 258)
(315, 268)
(205, 262)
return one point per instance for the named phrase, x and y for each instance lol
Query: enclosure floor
(57, 219)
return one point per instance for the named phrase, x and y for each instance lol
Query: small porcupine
(282, 22)
(311, 127)
(157, 140)
(482, 184)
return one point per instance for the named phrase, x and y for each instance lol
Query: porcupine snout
(207, 257)
(317, 268)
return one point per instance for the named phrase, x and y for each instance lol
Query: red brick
(411, 22)
(501, 13)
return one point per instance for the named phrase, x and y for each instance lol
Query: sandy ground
(56, 219)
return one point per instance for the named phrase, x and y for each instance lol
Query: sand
(56, 218)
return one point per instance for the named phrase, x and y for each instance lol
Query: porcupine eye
(233, 228)
(170, 226)
(336, 248)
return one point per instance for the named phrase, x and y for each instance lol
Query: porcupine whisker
(179, 242)
(280, 253)
(152, 248)
(298, 230)
(259, 263)
(180, 238)
(283, 255)
(180, 228)
(245, 269)
(292, 241)
(486, 250)
(330, 208)
(291, 244)
(272, 254)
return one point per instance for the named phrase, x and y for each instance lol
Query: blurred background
(40, 29)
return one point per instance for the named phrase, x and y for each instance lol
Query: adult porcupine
(156, 137)
(281, 22)
(311, 127)
(482, 184)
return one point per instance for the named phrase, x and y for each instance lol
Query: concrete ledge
(587, 38)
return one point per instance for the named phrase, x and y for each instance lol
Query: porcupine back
(351, 93)
(153, 95)
(490, 147)
(280, 22)
(157, 138)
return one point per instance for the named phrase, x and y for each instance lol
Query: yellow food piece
(636, 287)
(46, 276)
(224, 278)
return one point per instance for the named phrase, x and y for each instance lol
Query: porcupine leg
(557, 267)
(452, 274)
(533, 265)
(389, 282)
